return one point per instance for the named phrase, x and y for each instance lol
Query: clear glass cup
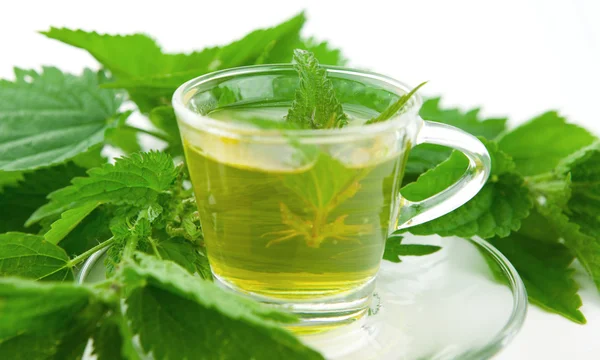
(299, 218)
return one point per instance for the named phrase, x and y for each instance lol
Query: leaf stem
(154, 248)
(79, 258)
(148, 132)
(130, 247)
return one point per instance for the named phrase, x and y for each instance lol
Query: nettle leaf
(135, 180)
(469, 121)
(50, 117)
(322, 51)
(20, 200)
(29, 256)
(188, 255)
(396, 107)
(495, 211)
(584, 170)
(584, 245)
(540, 144)
(68, 221)
(10, 178)
(170, 310)
(122, 136)
(112, 340)
(91, 231)
(568, 198)
(426, 156)
(394, 249)
(544, 268)
(163, 118)
(47, 320)
(151, 76)
(329, 182)
(315, 105)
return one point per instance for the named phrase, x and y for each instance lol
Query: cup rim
(231, 130)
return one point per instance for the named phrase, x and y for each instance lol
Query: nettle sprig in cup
(316, 105)
(297, 170)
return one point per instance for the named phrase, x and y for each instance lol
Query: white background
(515, 58)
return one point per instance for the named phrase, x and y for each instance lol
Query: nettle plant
(63, 200)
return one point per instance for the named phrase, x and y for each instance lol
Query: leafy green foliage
(426, 156)
(22, 198)
(187, 309)
(68, 221)
(568, 198)
(134, 180)
(111, 340)
(9, 178)
(186, 254)
(144, 206)
(495, 211)
(151, 76)
(539, 145)
(163, 118)
(315, 105)
(394, 249)
(29, 256)
(396, 107)
(544, 268)
(469, 121)
(49, 117)
(122, 136)
(328, 185)
(46, 321)
(321, 50)
(90, 232)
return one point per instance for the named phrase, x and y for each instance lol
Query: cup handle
(463, 190)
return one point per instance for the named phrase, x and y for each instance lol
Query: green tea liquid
(305, 233)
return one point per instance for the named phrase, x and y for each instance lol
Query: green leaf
(46, 320)
(24, 197)
(584, 169)
(184, 253)
(328, 181)
(135, 180)
(321, 50)
(68, 221)
(29, 256)
(495, 211)
(152, 76)
(315, 105)
(469, 121)
(50, 117)
(112, 340)
(170, 310)
(544, 268)
(396, 107)
(540, 144)
(394, 249)
(585, 247)
(91, 158)
(10, 178)
(91, 231)
(122, 136)
(568, 199)
(164, 119)
(426, 156)
(437, 179)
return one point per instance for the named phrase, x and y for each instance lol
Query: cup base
(315, 315)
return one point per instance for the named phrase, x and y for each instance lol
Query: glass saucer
(464, 302)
